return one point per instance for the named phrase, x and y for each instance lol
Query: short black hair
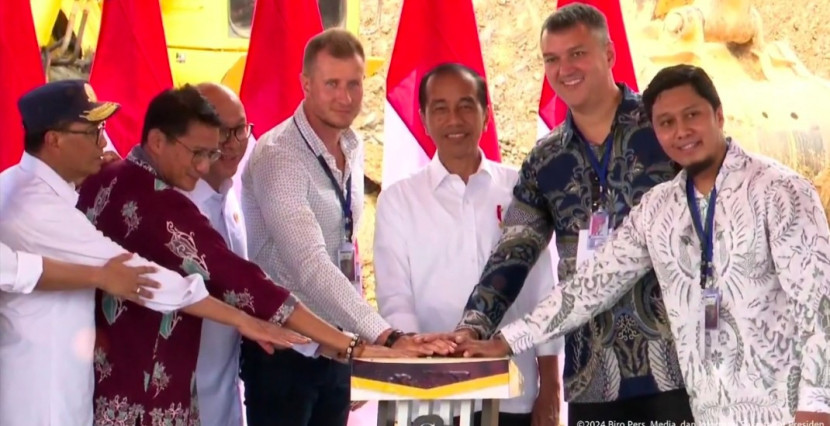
(172, 111)
(454, 68)
(573, 14)
(676, 76)
(33, 140)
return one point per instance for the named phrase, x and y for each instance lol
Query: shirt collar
(348, 140)
(203, 192)
(437, 172)
(736, 159)
(46, 173)
(628, 110)
(139, 157)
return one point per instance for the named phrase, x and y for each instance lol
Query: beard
(694, 169)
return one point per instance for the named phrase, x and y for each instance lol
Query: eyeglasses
(199, 155)
(241, 133)
(94, 132)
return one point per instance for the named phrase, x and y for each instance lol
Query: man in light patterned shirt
(741, 248)
(302, 198)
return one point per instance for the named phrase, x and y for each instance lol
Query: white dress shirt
(433, 236)
(217, 368)
(47, 338)
(19, 271)
(295, 221)
(771, 263)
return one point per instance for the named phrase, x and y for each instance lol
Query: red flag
(430, 32)
(20, 71)
(552, 110)
(271, 88)
(130, 65)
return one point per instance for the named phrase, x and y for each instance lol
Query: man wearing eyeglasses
(46, 337)
(217, 379)
(145, 362)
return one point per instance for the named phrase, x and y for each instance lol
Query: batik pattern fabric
(145, 361)
(769, 355)
(626, 351)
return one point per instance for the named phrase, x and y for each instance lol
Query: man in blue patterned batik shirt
(579, 183)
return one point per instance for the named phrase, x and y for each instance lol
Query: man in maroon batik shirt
(145, 362)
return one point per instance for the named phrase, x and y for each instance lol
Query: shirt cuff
(814, 400)
(29, 271)
(518, 336)
(285, 311)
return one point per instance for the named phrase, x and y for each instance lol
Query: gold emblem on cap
(101, 112)
(90, 93)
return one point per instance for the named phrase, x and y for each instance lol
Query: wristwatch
(393, 337)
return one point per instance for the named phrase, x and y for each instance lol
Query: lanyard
(600, 166)
(345, 200)
(705, 234)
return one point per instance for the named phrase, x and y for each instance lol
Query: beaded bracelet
(350, 349)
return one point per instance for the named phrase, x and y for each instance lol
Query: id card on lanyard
(599, 225)
(710, 296)
(347, 260)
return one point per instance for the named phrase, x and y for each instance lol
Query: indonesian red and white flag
(130, 66)
(20, 71)
(271, 88)
(430, 32)
(552, 110)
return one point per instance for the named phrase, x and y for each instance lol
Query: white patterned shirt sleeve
(281, 185)
(800, 244)
(594, 288)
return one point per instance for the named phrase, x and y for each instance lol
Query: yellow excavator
(207, 40)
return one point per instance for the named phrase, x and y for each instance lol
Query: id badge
(345, 258)
(711, 309)
(598, 229)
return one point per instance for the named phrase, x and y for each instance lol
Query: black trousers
(505, 419)
(667, 406)
(289, 389)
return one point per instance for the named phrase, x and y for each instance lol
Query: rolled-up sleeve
(19, 271)
(67, 235)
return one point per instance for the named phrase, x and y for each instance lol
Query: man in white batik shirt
(753, 323)
(434, 232)
(217, 368)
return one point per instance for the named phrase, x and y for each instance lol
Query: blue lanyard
(600, 167)
(345, 200)
(706, 234)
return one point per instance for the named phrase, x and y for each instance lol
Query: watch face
(428, 420)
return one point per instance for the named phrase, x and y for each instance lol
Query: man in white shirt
(217, 368)
(302, 198)
(435, 230)
(740, 246)
(22, 272)
(47, 337)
